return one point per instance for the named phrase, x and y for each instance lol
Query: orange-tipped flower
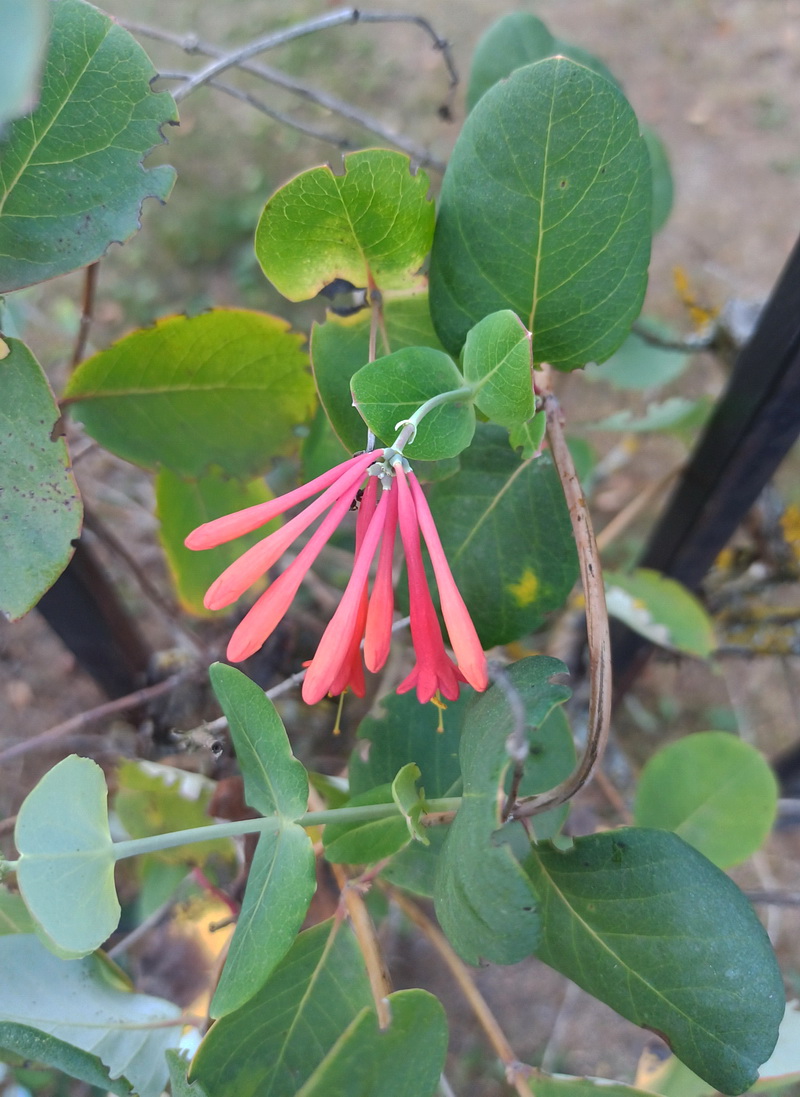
(362, 617)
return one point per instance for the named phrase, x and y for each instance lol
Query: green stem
(136, 846)
(410, 425)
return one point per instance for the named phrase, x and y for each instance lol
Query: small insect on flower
(392, 497)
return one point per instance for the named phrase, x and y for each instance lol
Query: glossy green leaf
(14, 916)
(507, 536)
(484, 900)
(322, 449)
(40, 508)
(405, 1060)
(639, 364)
(714, 790)
(646, 924)
(528, 437)
(518, 39)
(498, 362)
(554, 152)
(661, 609)
(340, 346)
(156, 799)
(410, 800)
(550, 761)
(280, 885)
(274, 1043)
(79, 1016)
(71, 180)
(406, 731)
(368, 842)
(373, 222)
(181, 506)
(389, 391)
(66, 865)
(274, 780)
(25, 26)
(227, 388)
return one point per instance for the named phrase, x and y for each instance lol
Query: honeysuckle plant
(433, 414)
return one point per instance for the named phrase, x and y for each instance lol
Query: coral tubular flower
(364, 616)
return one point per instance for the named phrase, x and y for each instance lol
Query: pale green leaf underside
(662, 609)
(40, 508)
(71, 175)
(25, 26)
(545, 210)
(80, 1003)
(66, 866)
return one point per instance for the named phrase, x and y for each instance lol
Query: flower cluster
(391, 499)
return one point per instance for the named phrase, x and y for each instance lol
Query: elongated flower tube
(363, 617)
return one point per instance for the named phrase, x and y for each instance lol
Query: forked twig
(189, 43)
(596, 622)
(379, 982)
(517, 1073)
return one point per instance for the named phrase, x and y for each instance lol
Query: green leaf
(646, 924)
(178, 1082)
(25, 25)
(72, 180)
(156, 799)
(281, 883)
(368, 842)
(528, 437)
(181, 506)
(550, 761)
(506, 532)
(498, 361)
(226, 388)
(274, 1043)
(322, 449)
(661, 609)
(410, 800)
(405, 1060)
(555, 153)
(714, 790)
(75, 1015)
(274, 780)
(639, 364)
(14, 916)
(484, 900)
(372, 225)
(661, 174)
(389, 391)
(66, 865)
(340, 346)
(518, 39)
(40, 508)
(564, 1086)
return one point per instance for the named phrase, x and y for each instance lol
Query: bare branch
(91, 716)
(517, 1073)
(596, 623)
(191, 44)
(87, 312)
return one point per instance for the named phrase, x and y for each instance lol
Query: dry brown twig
(596, 619)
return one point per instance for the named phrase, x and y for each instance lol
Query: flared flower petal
(264, 616)
(253, 563)
(434, 671)
(335, 650)
(464, 641)
(217, 532)
(378, 633)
